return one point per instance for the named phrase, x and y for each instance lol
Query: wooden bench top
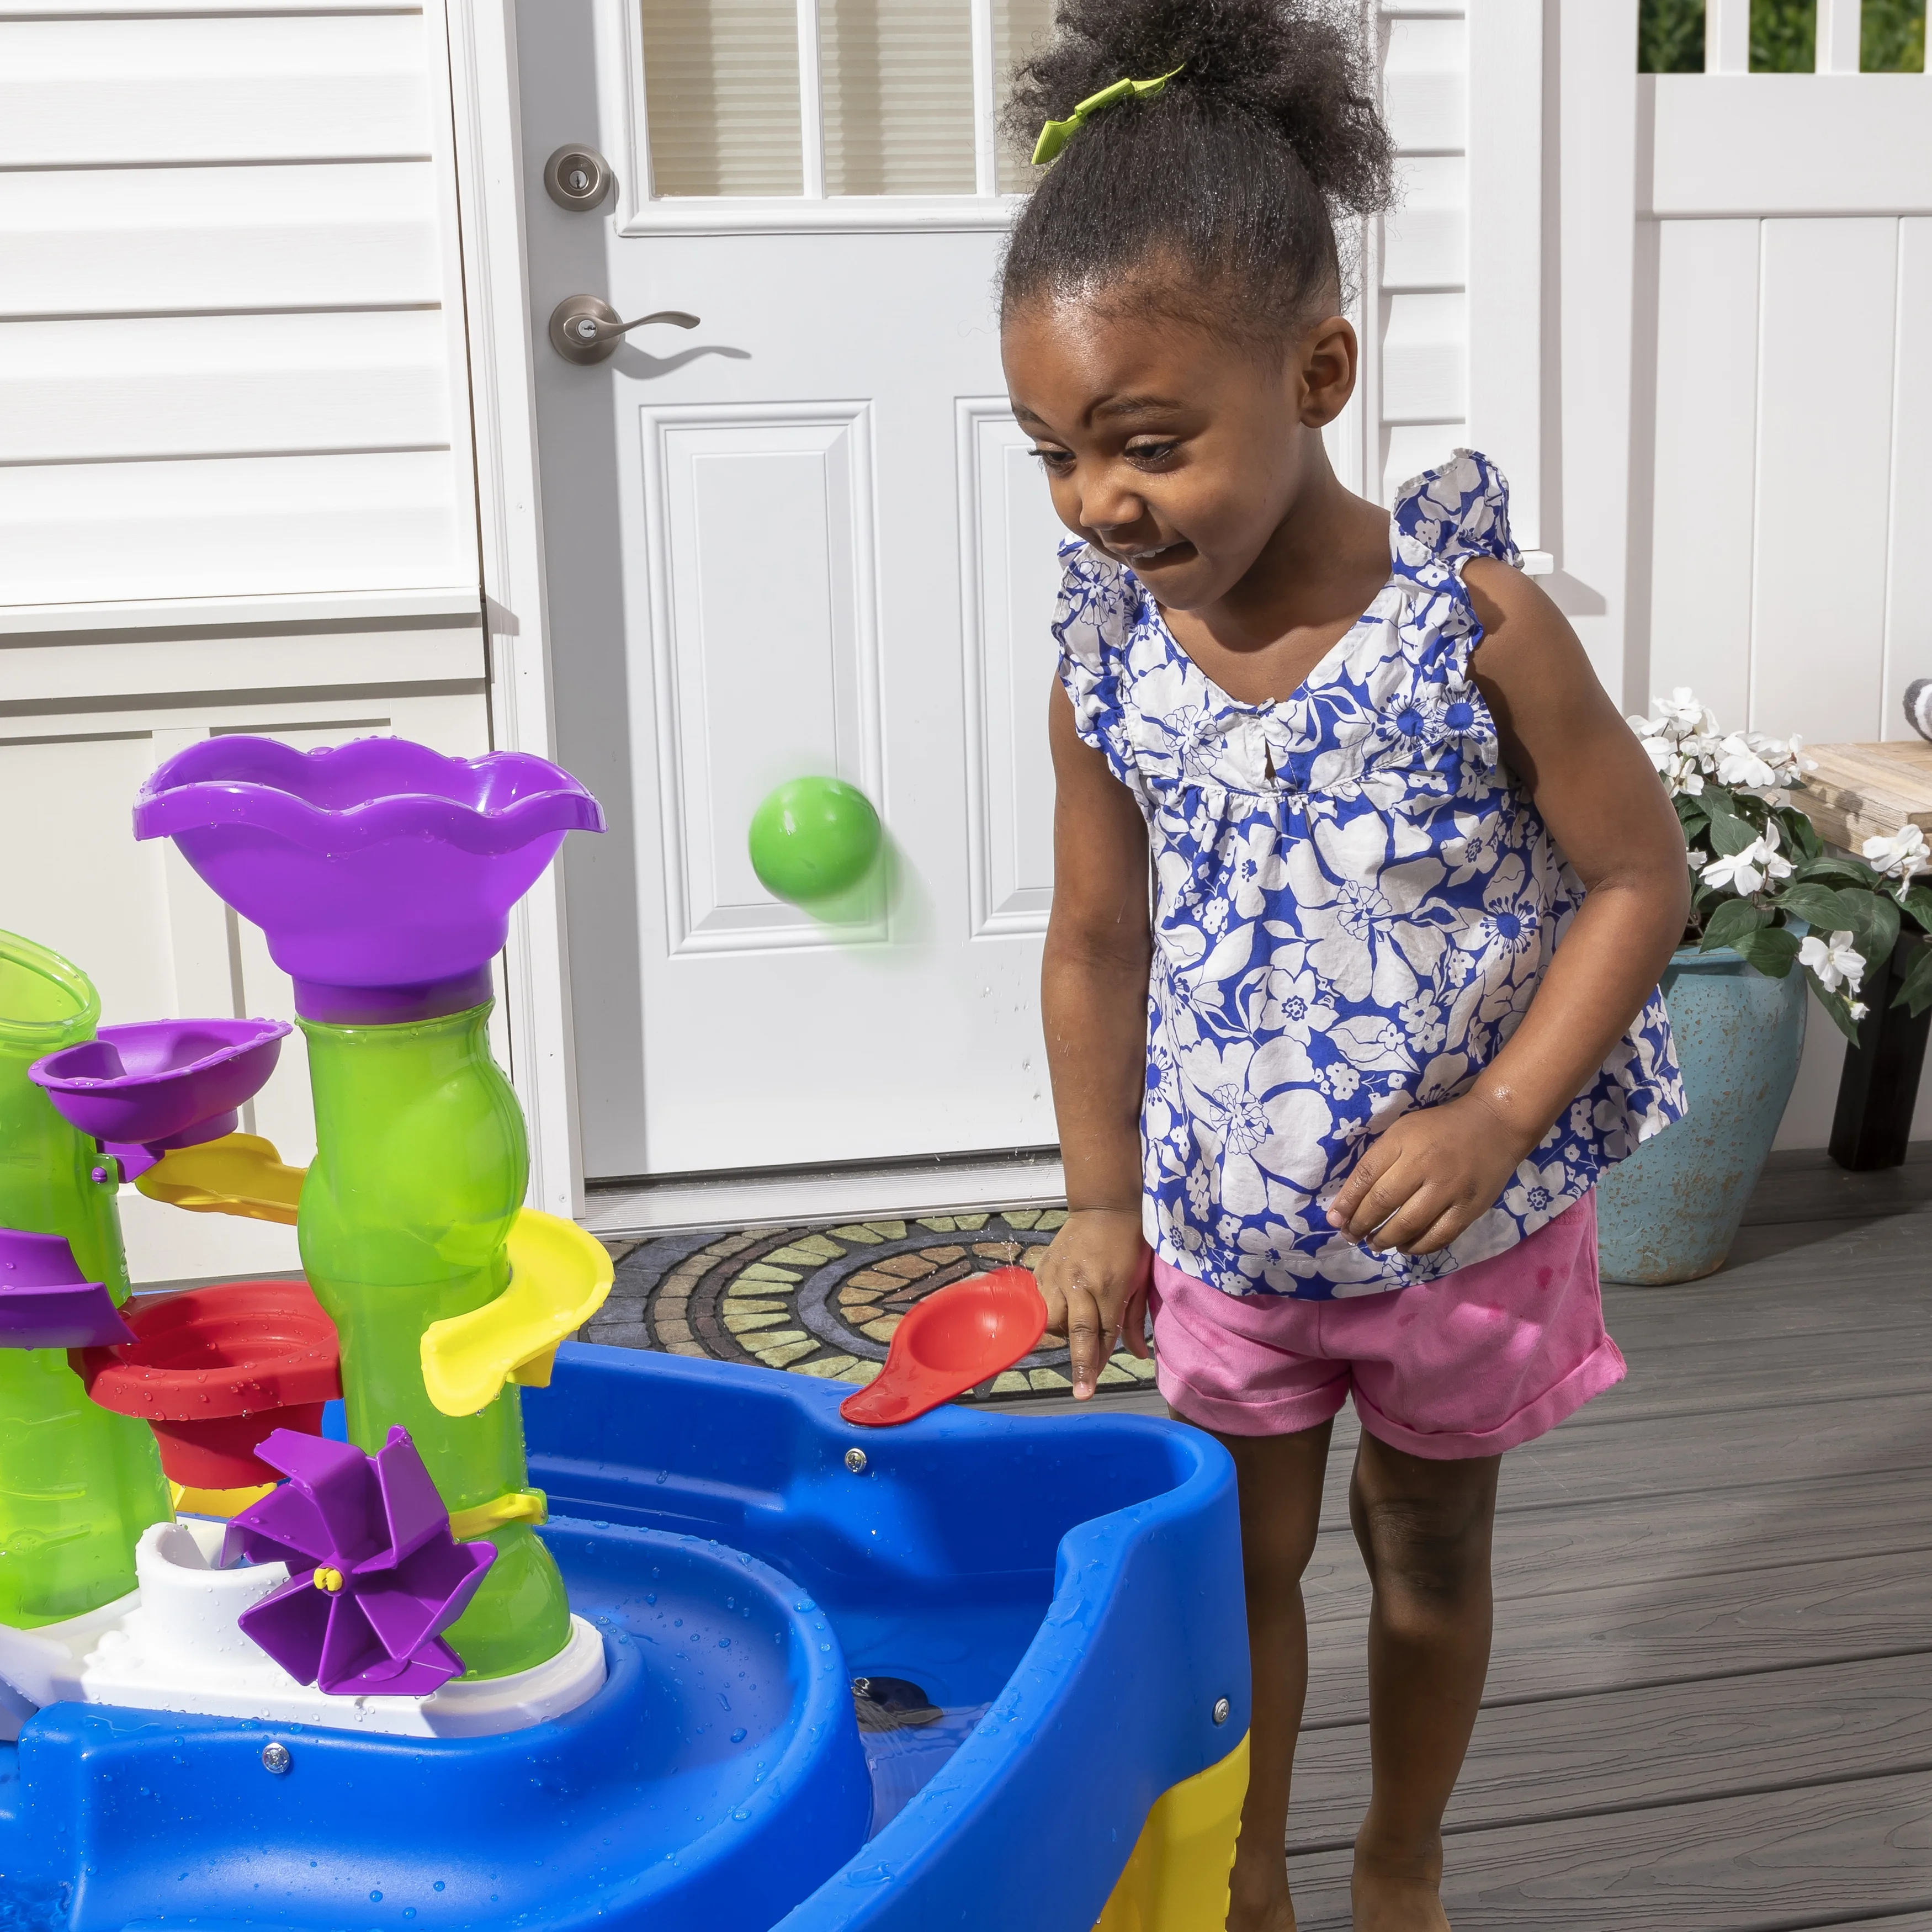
(1862, 791)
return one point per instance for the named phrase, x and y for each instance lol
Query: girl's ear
(1323, 363)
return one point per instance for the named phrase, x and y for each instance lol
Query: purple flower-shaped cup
(162, 1083)
(46, 1302)
(374, 1575)
(381, 872)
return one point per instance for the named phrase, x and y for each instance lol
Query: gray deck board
(1817, 1855)
(1629, 1749)
(1665, 1627)
(1543, 1553)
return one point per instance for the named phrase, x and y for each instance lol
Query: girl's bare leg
(1424, 1529)
(1280, 1479)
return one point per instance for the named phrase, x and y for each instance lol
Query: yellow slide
(559, 1277)
(239, 1174)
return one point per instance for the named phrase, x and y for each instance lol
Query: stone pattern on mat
(824, 1301)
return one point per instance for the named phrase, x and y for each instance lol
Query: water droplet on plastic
(375, 1898)
(650, 1596)
(437, 1886)
(741, 1814)
(737, 1737)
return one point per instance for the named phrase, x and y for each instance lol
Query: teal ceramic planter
(1670, 1212)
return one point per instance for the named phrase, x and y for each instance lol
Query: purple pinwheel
(374, 1574)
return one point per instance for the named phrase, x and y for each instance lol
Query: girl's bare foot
(1258, 1901)
(1398, 1893)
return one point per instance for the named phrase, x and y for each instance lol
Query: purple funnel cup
(381, 872)
(45, 1301)
(162, 1083)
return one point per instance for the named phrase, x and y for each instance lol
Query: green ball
(814, 839)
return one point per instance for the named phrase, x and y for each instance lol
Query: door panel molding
(758, 517)
(1008, 564)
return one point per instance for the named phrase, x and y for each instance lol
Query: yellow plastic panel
(1177, 1878)
(239, 1174)
(559, 1277)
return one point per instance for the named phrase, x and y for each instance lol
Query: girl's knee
(1431, 1548)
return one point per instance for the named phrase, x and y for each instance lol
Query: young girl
(1393, 1008)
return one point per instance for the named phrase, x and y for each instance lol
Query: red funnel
(213, 1370)
(950, 1342)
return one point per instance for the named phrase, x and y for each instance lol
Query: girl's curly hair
(1226, 184)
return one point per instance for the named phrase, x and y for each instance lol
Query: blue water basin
(1074, 1584)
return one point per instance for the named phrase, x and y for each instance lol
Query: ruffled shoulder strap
(1446, 516)
(1093, 624)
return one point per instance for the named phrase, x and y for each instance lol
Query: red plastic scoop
(948, 1342)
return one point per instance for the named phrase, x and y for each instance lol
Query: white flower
(1904, 852)
(1836, 961)
(1859, 1010)
(1744, 872)
(1738, 764)
(1782, 754)
(1682, 716)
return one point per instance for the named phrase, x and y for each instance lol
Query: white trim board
(743, 1201)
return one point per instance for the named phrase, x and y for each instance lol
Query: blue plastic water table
(1066, 1591)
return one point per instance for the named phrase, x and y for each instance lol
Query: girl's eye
(1150, 452)
(1053, 459)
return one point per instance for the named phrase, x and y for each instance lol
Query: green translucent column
(78, 1484)
(421, 1168)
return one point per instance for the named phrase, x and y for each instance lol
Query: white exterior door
(804, 537)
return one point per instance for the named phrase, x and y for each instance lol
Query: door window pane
(896, 78)
(721, 90)
(1019, 27)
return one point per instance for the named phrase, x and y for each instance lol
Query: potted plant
(1767, 898)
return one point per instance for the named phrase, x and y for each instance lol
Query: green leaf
(1873, 919)
(1819, 907)
(1770, 949)
(1801, 835)
(1732, 918)
(1829, 871)
(1918, 905)
(1837, 1006)
(1730, 834)
(1915, 990)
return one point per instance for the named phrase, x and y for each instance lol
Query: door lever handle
(586, 329)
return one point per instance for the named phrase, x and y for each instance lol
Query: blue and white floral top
(1355, 902)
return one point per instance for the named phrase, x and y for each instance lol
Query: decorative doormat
(823, 1300)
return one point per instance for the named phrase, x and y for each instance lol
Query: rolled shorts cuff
(1603, 1368)
(1284, 1415)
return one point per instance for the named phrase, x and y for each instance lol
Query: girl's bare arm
(1093, 995)
(1437, 1168)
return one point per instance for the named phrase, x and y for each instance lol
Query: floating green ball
(814, 839)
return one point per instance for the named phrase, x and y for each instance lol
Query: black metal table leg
(1879, 1086)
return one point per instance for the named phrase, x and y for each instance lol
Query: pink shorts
(1487, 1358)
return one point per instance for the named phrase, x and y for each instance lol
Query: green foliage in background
(1783, 36)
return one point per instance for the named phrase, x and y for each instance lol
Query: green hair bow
(1056, 134)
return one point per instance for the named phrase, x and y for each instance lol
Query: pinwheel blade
(414, 1511)
(291, 1625)
(425, 1594)
(339, 1478)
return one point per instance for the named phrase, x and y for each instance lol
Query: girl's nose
(1106, 505)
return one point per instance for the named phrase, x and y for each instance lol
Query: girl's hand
(1095, 1278)
(1424, 1181)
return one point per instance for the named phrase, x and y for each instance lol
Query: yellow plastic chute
(1177, 1878)
(239, 1174)
(559, 1277)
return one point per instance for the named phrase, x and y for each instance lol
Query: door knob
(586, 329)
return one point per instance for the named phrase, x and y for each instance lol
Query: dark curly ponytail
(1226, 184)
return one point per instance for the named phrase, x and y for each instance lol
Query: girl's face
(1178, 452)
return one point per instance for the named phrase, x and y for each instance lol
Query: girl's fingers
(1384, 1197)
(1084, 1329)
(1442, 1231)
(1133, 1324)
(1345, 1210)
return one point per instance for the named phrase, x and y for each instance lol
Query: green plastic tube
(78, 1484)
(420, 1169)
